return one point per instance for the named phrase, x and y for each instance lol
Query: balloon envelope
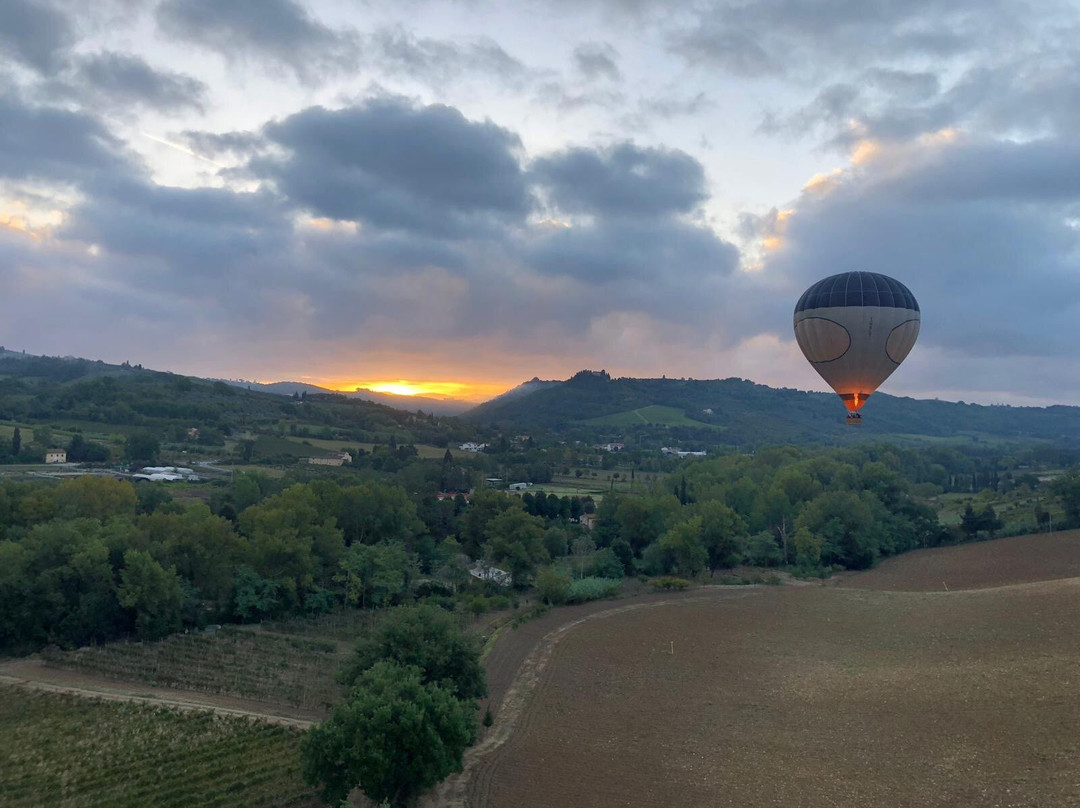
(856, 328)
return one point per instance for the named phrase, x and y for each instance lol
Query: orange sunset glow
(468, 391)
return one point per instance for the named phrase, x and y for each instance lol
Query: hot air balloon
(855, 328)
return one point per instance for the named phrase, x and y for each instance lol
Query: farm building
(473, 447)
(338, 459)
(56, 456)
(486, 572)
(519, 486)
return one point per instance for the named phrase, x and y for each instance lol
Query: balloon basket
(854, 419)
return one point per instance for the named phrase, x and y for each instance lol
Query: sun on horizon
(467, 391)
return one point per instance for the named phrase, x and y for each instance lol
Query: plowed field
(1020, 559)
(811, 696)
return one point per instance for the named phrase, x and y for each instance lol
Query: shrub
(553, 585)
(606, 564)
(587, 589)
(669, 582)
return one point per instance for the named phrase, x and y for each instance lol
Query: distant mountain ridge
(435, 406)
(740, 412)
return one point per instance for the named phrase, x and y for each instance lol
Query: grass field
(70, 751)
(280, 669)
(816, 695)
(653, 414)
(423, 450)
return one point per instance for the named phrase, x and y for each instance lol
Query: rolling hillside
(740, 412)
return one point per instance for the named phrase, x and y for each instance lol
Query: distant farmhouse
(610, 447)
(488, 573)
(338, 459)
(473, 447)
(56, 456)
(669, 450)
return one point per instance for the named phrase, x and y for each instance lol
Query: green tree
(16, 442)
(582, 548)
(484, 506)
(683, 545)
(152, 593)
(1067, 490)
(94, 498)
(141, 448)
(807, 548)
(373, 575)
(625, 555)
(395, 737)
(43, 437)
(428, 639)
(255, 597)
(721, 533)
(451, 564)
(516, 540)
(846, 524)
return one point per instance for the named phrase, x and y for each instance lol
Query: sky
(471, 194)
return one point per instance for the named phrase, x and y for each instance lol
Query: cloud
(223, 144)
(120, 81)
(55, 145)
(597, 60)
(400, 167)
(279, 31)
(34, 33)
(733, 51)
(397, 51)
(646, 251)
(623, 180)
(981, 231)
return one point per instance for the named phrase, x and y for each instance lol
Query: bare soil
(801, 696)
(1001, 562)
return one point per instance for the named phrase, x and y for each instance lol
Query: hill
(434, 406)
(739, 412)
(104, 401)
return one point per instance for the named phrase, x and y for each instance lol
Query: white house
(339, 459)
(486, 572)
(473, 447)
(56, 456)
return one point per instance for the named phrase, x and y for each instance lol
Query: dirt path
(34, 674)
(515, 668)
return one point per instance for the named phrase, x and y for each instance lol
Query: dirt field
(809, 696)
(1020, 559)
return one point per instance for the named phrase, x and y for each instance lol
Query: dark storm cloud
(281, 31)
(597, 60)
(121, 81)
(34, 33)
(399, 167)
(623, 180)
(983, 233)
(49, 144)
